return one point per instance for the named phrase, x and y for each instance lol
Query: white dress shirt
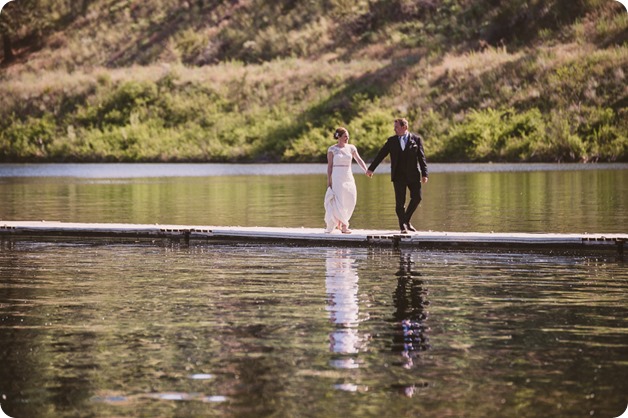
(403, 140)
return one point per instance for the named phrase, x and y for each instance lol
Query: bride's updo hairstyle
(340, 132)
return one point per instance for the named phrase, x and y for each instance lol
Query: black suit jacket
(404, 164)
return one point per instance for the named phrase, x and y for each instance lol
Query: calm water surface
(458, 197)
(160, 329)
(210, 330)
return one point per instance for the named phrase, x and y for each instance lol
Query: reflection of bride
(341, 283)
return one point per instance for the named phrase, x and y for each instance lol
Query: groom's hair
(403, 122)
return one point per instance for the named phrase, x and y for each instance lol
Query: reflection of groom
(410, 299)
(406, 150)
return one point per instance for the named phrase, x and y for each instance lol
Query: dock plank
(313, 236)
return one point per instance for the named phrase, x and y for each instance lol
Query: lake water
(102, 329)
(462, 198)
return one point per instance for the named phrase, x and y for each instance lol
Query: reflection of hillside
(264, 200)
(45, 350)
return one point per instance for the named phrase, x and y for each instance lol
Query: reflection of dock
(316, 236)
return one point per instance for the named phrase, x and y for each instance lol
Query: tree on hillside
(25, 18)
(7, 22)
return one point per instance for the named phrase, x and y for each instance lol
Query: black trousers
(405, 213)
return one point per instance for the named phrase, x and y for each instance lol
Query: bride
(341, 192)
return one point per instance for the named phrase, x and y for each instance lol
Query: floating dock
(315, 236)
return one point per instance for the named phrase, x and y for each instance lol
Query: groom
(406, 150)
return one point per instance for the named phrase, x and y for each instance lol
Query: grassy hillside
(165, 80)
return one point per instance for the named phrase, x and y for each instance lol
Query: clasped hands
(369, 174)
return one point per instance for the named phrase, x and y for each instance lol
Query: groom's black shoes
(409, 227)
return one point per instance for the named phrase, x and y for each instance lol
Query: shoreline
(129, 170)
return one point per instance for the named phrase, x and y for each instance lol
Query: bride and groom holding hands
(408, 169)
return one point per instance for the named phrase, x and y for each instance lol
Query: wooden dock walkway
(316, 236)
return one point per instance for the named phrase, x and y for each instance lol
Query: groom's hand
(424, 180)
(369, 173)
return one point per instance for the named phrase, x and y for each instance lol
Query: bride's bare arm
(330, 167)
(361, 162)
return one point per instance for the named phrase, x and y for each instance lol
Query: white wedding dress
(340, 199)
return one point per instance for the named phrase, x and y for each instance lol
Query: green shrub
(190, 43)
(29, 139)
(605, 138)
(562, 143)
(494, 135)
(116, 107)
(368, 131)
(311, 146)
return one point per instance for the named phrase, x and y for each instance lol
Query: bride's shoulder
(333, 148)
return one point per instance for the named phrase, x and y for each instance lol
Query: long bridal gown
(340, 199)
